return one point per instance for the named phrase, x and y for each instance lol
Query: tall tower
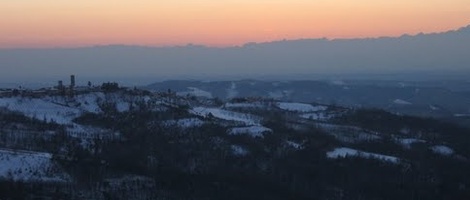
(61, 88)
(72, 81)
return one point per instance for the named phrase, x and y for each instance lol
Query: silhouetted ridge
(287, 58)
(465, 29)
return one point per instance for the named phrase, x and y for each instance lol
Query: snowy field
(29, 166)
(41, 109)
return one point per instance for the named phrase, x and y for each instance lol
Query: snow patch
(244, 105)
(401, 102)
(239, 150)
(184, 123)
(300, 107)
(59, 109)
(432, 107)
(247, 119)
(317, 116)
(461, 115)
(89, 102)
(41, 109)
(294, 145)
(122, 106)
(254, 131)
(343, 152)
(120, 181)
(443, 150)
(29, 166)
(407, 142)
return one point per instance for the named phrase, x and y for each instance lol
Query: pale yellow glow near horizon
(53, 23)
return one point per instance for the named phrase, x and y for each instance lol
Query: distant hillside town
(60, 89)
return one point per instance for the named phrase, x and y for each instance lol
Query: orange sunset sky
(72, 23)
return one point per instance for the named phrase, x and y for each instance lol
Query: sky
(76, 23)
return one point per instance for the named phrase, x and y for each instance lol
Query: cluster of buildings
(59, 89)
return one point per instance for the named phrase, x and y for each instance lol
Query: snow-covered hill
(30, 166)
(63, 110)
(245, 128)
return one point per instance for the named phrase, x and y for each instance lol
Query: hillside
(137, 144)
(445, 100)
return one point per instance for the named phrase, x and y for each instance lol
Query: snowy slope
(184, 123)
(443, 150)
(254, 131)
(247, 119)
(317, 116)
(84, 102)
(29, 166)
(344, 152)
(300, 107)
(294, 145)
(63, 110)
(89, 102)
(401, 102)
(350, 134)
(122, 106)
(239, 150)
(407, 142)
(59, 109)
(41, 109)
(244, 105)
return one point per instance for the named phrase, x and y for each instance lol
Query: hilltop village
(60, 89)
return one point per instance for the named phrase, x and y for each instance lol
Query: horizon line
(190, 44)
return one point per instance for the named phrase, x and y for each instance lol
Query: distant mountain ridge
(465, 29)
(461, 30)
(422, 52)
